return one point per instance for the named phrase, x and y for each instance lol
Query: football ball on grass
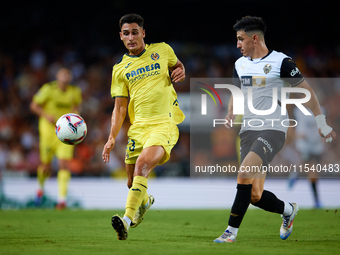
(71, 129)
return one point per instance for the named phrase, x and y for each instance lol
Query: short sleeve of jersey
(290, 73)
(42, 95)
(118, 87)
(172, 58)
(236, 78)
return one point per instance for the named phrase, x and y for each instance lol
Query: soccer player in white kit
(262, 70)
(310, 147)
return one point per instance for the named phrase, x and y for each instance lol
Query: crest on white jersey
(267, 68)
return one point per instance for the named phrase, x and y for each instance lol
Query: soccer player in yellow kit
(53, 100)
(142, 75)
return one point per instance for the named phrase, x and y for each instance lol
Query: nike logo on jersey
(128, 65)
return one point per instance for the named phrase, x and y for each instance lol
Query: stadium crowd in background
(21, 75)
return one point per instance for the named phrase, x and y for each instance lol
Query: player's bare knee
(46, 168)
(142, 169)
(255, 196)
(244, 177)
(64, 164)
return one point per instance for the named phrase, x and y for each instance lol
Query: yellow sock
(41, 176)
(136, 195)
(63, 177)
(145, 199)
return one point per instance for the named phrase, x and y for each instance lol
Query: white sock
(232, 230)
(288, 209)
(127, 219)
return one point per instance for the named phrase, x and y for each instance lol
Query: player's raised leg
(147, 160)
(267, 201)
(147, 201)
(287, 220)
(143, 208)
(130, 170)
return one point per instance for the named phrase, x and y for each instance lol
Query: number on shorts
(132, 147)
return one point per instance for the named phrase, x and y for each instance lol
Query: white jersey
(275, 70)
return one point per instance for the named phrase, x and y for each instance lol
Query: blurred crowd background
(38, 38)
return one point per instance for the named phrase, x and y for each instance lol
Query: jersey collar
(269, 52)
(137, 56)
(259, 59)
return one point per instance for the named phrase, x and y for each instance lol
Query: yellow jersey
(56, 102)
(145, 79)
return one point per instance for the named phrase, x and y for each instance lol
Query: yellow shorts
(51, 146)
(146, 135)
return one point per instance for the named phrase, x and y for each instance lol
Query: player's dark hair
(131, 18)
(68, 68)
(249, 23)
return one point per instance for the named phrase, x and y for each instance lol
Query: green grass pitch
(165, 232)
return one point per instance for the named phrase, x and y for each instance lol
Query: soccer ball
(71, 128)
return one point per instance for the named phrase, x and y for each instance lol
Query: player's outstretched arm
(313, 104)
(177, 72)
(118, 117)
